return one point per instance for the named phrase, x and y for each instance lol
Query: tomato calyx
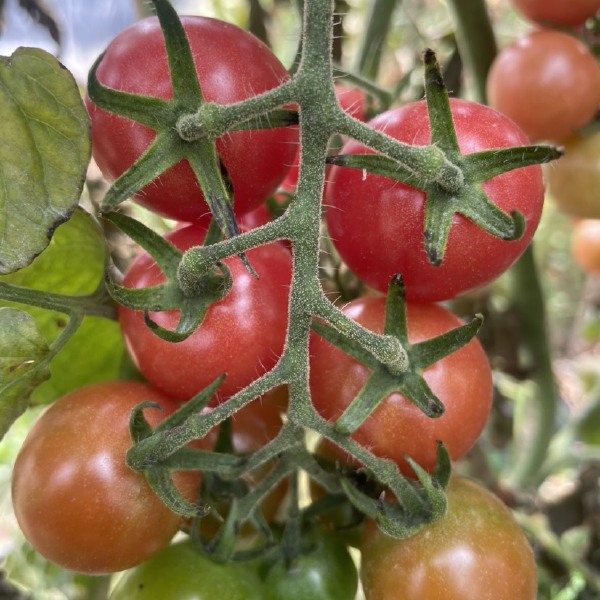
(385, 380)
(181, 134)
(468, 199)
(192, 299)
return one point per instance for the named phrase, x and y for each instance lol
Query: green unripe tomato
(327, 572)
(179, 572)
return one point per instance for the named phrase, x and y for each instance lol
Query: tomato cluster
(82, 507)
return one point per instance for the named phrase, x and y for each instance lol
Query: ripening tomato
(75, 498)
(574, 180)
(570, 13)
(547, 82)
(241, 335)
(377, 224)
(462, 381)
(180, 572)
(585, 245)
(476, 552)
(232, 65)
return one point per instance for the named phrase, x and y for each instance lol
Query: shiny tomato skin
(462, 381)
(585, 245)
(179, 572)
(574, 180)
(476, 552)
(242, 335)
(547, 82)
(75, 498)
(558, 12)
(377, 223)
(232, 65)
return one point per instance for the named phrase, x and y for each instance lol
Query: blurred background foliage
(561, 511)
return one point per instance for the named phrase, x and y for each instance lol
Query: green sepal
(139, 428)
(417, 504)
(161, 482)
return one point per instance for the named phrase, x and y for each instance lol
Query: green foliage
(44, 153)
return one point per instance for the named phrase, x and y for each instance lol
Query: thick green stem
(477, 45)
(536, 429)
(476, 42)
(378, 21)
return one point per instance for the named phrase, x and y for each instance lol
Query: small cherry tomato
(75, 498)
(585, 245)
(574, 180)
(232, 65)
(397, 428)
(241, 335)
(547, 82)
(325, 572)
(558, 12)
(476, 552)
(377, 223)
(179, 572)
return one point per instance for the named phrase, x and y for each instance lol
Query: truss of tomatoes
(376, 224)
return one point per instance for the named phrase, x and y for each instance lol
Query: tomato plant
(476, 552)
(256, 309)
(397, 428)
(325, 572)
(75, 499)
(585, 245)
(181, 572)
(557, 12)
(547, 82)
(251, 428)
(574, 180)
(377, 223)
(255, 161)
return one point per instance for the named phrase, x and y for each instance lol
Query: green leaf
(44, 153)
(74, 265)
(23, 367)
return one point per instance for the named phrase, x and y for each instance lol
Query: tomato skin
(232, 65)
(251, 319)
(75, 498)
(559, 12)
(181, 573)
(326, 573)
(574, 180)
(476, 552)
(376, 223)
(462, 381)
(547, 82)
(585, 245)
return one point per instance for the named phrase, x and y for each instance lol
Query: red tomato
(476, 552)
(462, 381)
(585, 245)
(232, 65)
(547, 82)
(559, 12)
(75, 498)
(377, 223)
(242, 335)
